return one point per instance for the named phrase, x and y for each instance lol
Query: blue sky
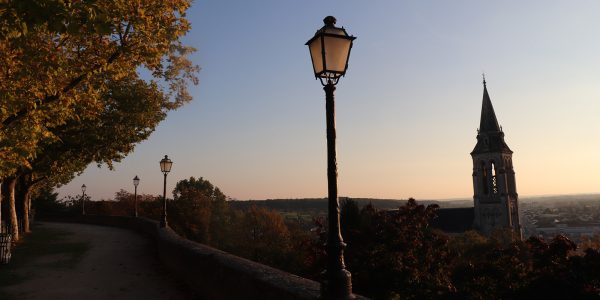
(407, 110)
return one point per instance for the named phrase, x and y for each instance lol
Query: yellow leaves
(60, 72)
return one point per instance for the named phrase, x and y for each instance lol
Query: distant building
(494, 187)
(576, 233)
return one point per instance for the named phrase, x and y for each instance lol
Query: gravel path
(90, 262)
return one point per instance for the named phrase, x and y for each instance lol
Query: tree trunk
(14, 224)
(1, 186)
(26, 208)
(1, 182)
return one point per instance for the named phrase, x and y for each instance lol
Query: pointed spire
(490, 137)
(488, 122)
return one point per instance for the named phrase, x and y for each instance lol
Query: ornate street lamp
(83, 187)
(329, 52)
(165, 167)
(136, 181)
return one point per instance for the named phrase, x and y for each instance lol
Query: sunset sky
(407, 111)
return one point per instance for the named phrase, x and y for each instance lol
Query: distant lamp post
(165, 167)
(136, 181)
(83, 188)
(329, 52)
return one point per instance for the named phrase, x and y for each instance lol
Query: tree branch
(52, 98)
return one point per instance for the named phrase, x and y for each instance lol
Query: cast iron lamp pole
(330, 50)
(165, 167)
(83, 187)
(136, 181)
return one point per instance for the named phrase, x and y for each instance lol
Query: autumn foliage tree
(70, 87)
(395, 253)
(53, 64)
(197, 209)
(261, 235)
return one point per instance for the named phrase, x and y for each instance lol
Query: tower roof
(490, 137)
(488, 122)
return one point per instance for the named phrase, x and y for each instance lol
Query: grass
(41, 242)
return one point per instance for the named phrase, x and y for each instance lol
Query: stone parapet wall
(211, 273)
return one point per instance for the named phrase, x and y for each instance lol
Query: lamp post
(83, 187)
(165, 167)
(136, 181)
(329, 52)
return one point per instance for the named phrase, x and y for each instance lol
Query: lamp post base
(336, 285)
(163, 221)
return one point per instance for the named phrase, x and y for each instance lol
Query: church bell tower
(494, 186)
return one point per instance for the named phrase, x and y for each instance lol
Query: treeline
(318, 204)
(391, 254)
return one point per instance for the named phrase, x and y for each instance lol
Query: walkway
(75, 261)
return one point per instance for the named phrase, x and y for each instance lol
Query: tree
(134, 108)
(47, 202)
(64, 65)
(198, 185)
(199, 210)
(62, 56)
(14, 225)
(396, 253)
(261, 235)
(349, 216)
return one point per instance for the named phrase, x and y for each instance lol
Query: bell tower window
(494, 179)
(484, 178)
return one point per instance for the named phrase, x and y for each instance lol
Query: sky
(407, 110)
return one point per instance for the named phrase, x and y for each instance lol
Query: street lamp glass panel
(165, 165)
(337, 51)
(83, 187)
(315, 47)
(136, 181)
(330, 50)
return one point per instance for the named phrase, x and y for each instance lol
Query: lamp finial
(329, 21)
